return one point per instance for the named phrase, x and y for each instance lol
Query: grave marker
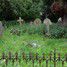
(1, 29)
(20, 20)
(37, 22)
(47, 22)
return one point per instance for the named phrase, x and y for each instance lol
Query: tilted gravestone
(1, 29)
(37, 22)
(47, 22)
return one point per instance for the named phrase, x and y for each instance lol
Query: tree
(60, 7)
(6, 10)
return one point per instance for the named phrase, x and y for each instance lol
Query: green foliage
(58, 31)
(6, 10)
(27, 9)
(32, 29)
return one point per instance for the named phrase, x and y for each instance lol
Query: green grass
(19, 44)
(15, 43)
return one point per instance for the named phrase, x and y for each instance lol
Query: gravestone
(31, 23)
(37, 22)
(60, 21)
(1, 29)
(47, 22)
(15, 32)
(21, 21)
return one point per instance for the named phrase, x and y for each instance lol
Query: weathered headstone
(31, 23)
(21, 21)
(47, 22)
(37, 22)
(1, 29)
(60, 21)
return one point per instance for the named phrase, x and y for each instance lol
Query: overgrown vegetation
(13, 43)
(56, 30)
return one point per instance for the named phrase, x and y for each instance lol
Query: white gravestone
(20, 20)
(47, 22)
(1, 29)
(60, 19)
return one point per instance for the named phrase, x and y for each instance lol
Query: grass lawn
(19, 44)
(15, 43)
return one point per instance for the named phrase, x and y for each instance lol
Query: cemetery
(33, 33)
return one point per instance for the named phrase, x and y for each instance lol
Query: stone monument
(37, 22)
(47, 22)
(20, 20)
(1, 29)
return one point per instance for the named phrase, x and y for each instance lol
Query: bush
(6, 10)
(58, 31)
(27, 9)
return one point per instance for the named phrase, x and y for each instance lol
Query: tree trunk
(65, 14)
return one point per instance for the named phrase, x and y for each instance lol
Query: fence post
(43, 56)
(62, 63)
(59, 57)
(23, 56)
(30, 56)
(33, 62)
(50, 56)
(3, 55)
(36, 56)
(47, 62)
(16, 56)
(9, 56)
(6, 62)
(13, 61)
(66, 57)
(40, 62)
(55, 58)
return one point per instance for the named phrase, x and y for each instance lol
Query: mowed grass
(19, 44)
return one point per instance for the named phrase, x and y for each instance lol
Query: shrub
(58, 31)
(32, 29)
(27, 9)
(6, 10)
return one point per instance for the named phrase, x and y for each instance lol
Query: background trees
(29, 9)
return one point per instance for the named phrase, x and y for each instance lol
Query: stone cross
(20, 20)
(1, 29)
(47, 22)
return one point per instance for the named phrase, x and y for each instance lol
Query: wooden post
(6, 62)
(36, 56)
(59, 57)
(66, 57)
(62, 63)
(3, 55)
(46, 62)
(23, 56)
(40, 62)
(55, 58)
(33, 62)
(30, 56)
(13, 61)
(9, 56)
(43, 56)
(16, 56)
